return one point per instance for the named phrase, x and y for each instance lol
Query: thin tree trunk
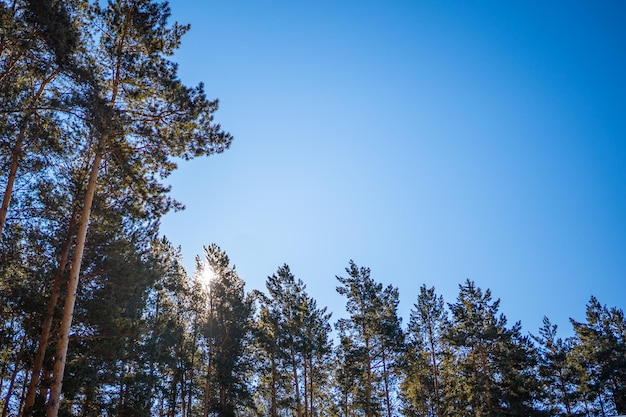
(183, 392)
(22, 396)
(178, 378)
(368, 381)
(18, 359)
(386, 379)
(305, 384)
(173, 392)
(44, 337)
(223, 407)
(485, 376)
(273, 410)
(72, 286)
(311, 385)
(207, 386)
(2, 374)
(16, 154)
(193, 362)
(431, 338)
(295, 380)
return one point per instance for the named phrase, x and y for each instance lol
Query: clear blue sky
(432, 141)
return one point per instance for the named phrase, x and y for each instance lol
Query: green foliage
(489, 369)
(93, 106)
(422, 386)
(226, 332)
(372, 343)
(557, 372)
(294, 347)
(600, 353)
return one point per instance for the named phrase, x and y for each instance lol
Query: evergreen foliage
(428, 325)
(372, 342)
(489, 369)
(600, 353)
(226, 334)
(293, 349)
(98, 317)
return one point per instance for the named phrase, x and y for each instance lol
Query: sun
(205, 275)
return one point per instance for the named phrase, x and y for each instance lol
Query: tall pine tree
(601, 349)
(227, 331)
(489, 369)
(372, 342)
(428, 325)
(556, 371)
(295, 347)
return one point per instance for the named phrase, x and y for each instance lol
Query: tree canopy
(100, 318)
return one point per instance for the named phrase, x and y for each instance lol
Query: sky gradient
(430, 141)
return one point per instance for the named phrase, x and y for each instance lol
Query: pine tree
(107, 354)
(428, 324)
(373, 339)
(294, 344)
(172, 305)
(601, 349)
(556, 370)
(489, 369)
(227, 333)
(317, 359)
(37, 42)
(268, 357)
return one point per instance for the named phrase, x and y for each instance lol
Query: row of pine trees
(99, 318)
(150, 339)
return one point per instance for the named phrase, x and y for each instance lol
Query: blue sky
(430, 141)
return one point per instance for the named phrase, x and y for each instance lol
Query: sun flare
(206, 275)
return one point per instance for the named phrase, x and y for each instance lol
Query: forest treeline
(99, 317)
(150, 339)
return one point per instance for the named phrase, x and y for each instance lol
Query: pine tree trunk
(192, 365)
(305, 384)
(173, 392)
(295, 380)
(18, 359)
(183, 393)
(433, 357)
(22, 396)
(81, 237)
(72, 286)
(273, 410)
(386, 379)
(368, 381)
(16, 154)
(44, 337)
(2, 374)
(485, 377)
(311, 396)
(207, 385)
(178, 379)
